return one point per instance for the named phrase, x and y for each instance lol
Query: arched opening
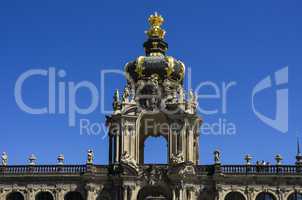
(234, 196)
(73, 196)
(154, 193)
(153, 138)
(44, 196)
(295, 196)
(265, 196)
(155, 151)
(15, 196)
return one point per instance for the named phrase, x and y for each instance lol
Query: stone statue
(125, 156)
(61, 159)
(217, 157)
(116, 99)
(32, 159)
(178, 158)
(181, 95)
(126, 94)
(191, 96)
(131, 94)
(154, 80)
(90, 157)
(4, 159)
(127, 159)
(153, 175)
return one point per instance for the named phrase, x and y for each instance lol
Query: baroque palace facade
(154, 94)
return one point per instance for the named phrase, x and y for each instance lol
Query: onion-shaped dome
(164, 67)
(155, 62)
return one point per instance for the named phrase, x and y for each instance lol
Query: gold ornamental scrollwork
(182, 70)
(170, 67)
(139, 66)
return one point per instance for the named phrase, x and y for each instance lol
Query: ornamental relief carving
(127, 159)
(153, 175)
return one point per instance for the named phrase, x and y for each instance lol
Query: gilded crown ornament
(155, 62)
(155, 22)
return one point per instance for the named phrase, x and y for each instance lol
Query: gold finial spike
(155, 21)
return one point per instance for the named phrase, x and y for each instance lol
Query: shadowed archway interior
(234, 196)
(295, 196)
(154, 193)
(15, 196)
(44, 196)
(265, 196)
(73, 196)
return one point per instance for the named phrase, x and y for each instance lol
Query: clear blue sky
(221, 41)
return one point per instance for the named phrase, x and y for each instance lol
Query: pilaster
(93, 191)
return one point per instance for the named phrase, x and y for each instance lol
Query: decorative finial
(299, 155)
(90, 157)
(298, 147)
(4, 159)
(116, 100)
(155, 22)
(155, 45)
(61, 159)
(32, 159)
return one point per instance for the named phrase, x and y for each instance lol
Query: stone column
(134, 192)
(30, 193)
(280, 194)
(192, 193)
(92, 191)
(117, 148)
(173, 194)
(110, 149)
(219, 193)
(2, 193)
(125, 192)
(59, 194)
(180, 192)
(250, 193)
(129, 192)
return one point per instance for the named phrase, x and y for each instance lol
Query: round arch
(266, 196)
(15, 196)
(235, 196)
(151, 125)
(44, 196)
(153, 146)
(74, 195)
(154, 192)
(295, 196)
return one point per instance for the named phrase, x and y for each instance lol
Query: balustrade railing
(42, 169)
(200, 169)
(261, 169)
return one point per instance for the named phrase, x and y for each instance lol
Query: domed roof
(155, 62)
(165, 67)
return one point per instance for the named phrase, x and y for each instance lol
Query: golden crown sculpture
(155, 30)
